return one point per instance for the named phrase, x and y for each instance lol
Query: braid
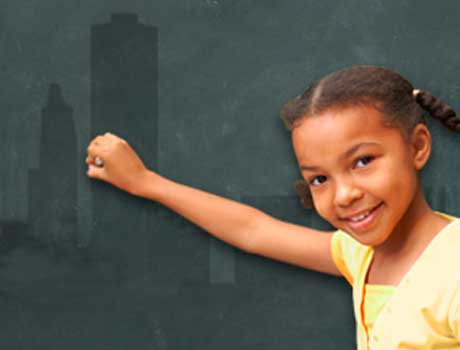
(438, 109)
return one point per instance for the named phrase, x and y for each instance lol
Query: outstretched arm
(238, 224)
(243, 226)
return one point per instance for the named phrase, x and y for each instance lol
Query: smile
(363, 220)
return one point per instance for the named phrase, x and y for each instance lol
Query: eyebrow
(345, 155)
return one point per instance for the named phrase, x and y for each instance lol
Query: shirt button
(389, 310)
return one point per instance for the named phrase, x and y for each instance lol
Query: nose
(346, 193)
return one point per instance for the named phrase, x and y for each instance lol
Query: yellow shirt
(375, 298)
(423, 312)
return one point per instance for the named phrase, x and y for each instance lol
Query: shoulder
(447, 216)
(348, 244)
(348, 254)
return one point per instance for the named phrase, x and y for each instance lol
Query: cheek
(406, 187)
(323, 206)
(389, 172)
(396, 184)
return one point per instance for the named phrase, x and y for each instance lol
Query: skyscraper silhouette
(53, 186)
(124, 101)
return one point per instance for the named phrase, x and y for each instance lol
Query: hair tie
(415, 92)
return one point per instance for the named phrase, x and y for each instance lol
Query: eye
(319, 178)
(364, 160)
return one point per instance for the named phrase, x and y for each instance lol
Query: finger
(109, 134)
(93, 143)
(99, 140)
(93, 150)
(95, 172)
(89, 160)
(94, 161)
(110, 137)
(97, 147)
(114, 137)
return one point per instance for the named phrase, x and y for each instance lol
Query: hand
(121, 167)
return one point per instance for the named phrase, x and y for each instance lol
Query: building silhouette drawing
(124, 101)
(53, 186)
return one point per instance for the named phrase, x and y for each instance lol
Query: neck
(414, 231)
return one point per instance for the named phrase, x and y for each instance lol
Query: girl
(360, 139)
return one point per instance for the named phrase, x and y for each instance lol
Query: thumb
(95, 172)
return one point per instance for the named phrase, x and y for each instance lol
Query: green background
(225, 69)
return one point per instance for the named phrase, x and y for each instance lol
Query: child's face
(347, 179)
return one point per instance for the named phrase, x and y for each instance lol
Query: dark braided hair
(438, 109)
(384, 89)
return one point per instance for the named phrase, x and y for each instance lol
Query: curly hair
(365, 85)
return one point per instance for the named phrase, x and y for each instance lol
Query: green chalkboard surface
(195, 87)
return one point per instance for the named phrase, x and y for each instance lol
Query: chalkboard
(195, 87)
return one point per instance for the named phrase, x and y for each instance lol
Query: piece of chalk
(98, 162)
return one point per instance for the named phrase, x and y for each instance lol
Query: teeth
(360, 217)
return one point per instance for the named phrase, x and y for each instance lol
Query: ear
(420, 145)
